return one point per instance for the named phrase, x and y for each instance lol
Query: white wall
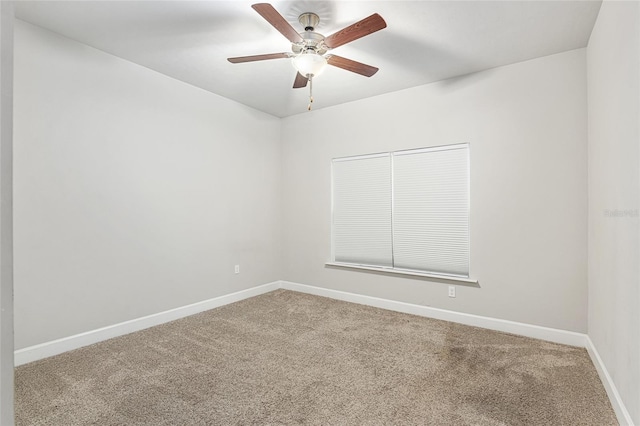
(526, 124)
(134, 193)
(613, 69)
(6, 212)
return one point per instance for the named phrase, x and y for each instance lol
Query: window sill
(401, 272)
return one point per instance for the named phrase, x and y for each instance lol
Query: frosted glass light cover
(309, 64)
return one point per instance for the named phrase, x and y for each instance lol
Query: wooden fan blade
(279, 23)
(353, 66)
(300, 81)
(353, 32)
(253, 58)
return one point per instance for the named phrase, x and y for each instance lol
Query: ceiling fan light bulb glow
(309, 64)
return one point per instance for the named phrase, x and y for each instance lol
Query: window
(404, 210)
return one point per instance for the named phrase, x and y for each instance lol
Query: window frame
(392, 269)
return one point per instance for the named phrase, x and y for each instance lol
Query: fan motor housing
(312, 40)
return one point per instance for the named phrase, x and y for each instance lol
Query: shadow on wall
(451, 85)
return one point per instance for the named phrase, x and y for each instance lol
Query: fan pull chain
(310, 92)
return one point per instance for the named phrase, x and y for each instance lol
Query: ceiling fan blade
(353, 32)
(253, 58)
(353, 66)
(300, 81)
(279, 23)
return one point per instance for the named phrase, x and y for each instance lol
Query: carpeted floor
(291, 358)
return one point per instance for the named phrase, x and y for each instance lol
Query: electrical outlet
(237, 269)
(452, 291)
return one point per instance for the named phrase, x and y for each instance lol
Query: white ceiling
(425, 41)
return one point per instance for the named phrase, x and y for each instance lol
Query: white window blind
(407, 210)
(431, 210)
(362, 210)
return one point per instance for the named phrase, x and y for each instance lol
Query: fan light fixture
(309, 63)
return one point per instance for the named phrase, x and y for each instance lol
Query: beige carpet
(291, 358)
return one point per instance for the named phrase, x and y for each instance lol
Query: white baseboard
(55, 347)
(624, 418)
(522, 329)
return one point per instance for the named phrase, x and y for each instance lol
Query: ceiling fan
(308, 48)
